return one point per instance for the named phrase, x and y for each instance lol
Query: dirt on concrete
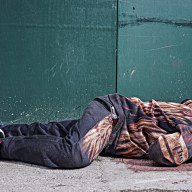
(149, 165)
(102, 175)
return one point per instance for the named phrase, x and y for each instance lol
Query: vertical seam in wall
(116, 51)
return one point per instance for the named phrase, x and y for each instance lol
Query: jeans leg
(59, 129)
(50, 151)
(75, 148)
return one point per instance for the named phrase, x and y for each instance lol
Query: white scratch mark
(159, 48)
(37, 109)
(52, 68)
(54, 74)
(67, 60)
(132, 72)
(61, 66)
(67, 71)
(16, 120)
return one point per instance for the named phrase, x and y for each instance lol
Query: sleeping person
(113, 125)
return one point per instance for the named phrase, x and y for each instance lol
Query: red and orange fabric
(155, 129)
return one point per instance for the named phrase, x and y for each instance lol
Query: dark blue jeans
(65, 144)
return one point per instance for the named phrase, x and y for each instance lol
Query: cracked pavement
(102, 175)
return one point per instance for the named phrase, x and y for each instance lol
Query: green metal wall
(154, 46)
(55, 57)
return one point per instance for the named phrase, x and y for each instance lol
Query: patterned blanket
(155, 129)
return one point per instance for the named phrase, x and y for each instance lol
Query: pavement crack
(101, 171)
(60, 186)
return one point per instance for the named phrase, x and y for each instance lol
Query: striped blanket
(155, 129)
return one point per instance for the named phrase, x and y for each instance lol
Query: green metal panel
(55, 56)
(155, 44)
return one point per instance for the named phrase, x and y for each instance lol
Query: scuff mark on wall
(129, 74)
(159, 48)
(133, 20)
(132, 73)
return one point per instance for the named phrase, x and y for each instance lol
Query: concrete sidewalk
(103, 175)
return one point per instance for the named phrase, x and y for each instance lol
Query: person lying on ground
(113, 125)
